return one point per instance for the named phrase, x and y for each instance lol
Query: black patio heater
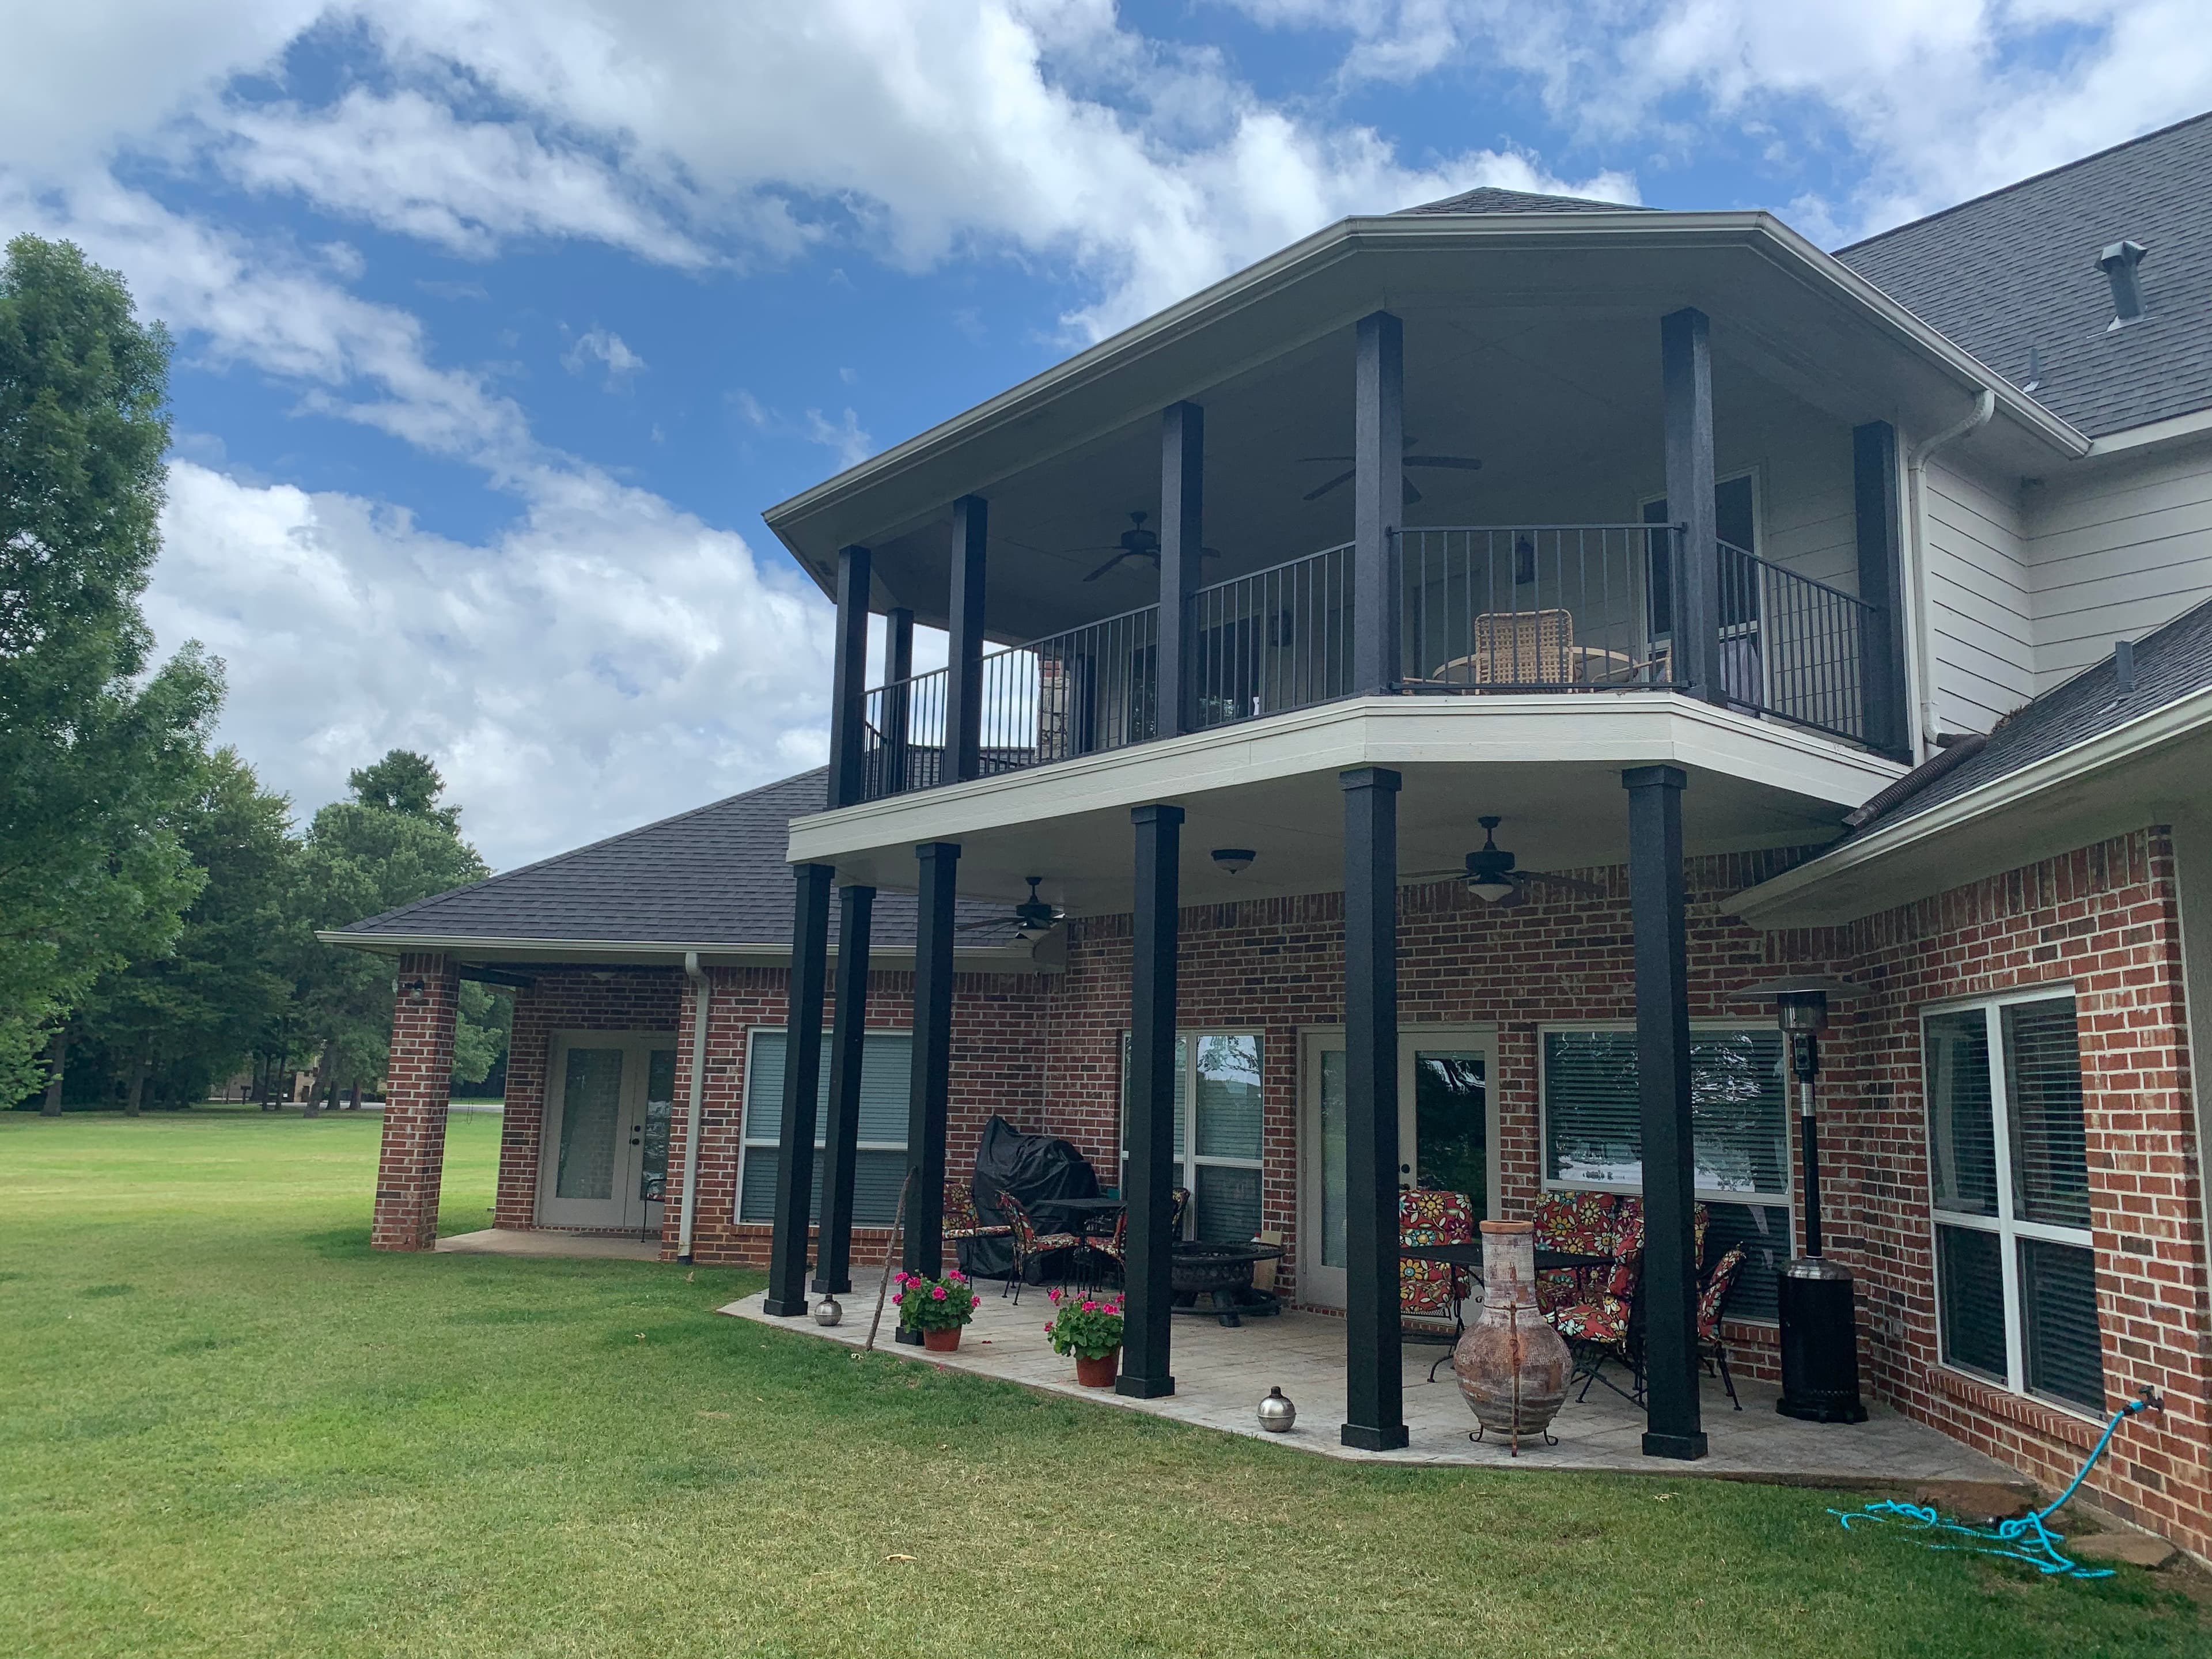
(1818, 1309)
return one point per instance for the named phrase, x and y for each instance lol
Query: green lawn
(228, 1428)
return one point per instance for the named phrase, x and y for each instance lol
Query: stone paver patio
(1221, 1375)
(550, 1241)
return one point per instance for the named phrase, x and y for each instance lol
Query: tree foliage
(99, 760)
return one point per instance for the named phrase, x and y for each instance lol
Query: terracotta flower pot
(1098, 1373)
(1512, 1366)
(943, 1341)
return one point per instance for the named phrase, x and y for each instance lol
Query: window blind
(1962, 1133)
(879, 1170)
(2043, 1087)
(1739, 1110)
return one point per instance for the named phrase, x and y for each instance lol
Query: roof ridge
(2022, 184)
(557, 859)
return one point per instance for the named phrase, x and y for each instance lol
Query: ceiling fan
(1457, 463)
(1489, 875)
(1137, 542)
(1033, 919)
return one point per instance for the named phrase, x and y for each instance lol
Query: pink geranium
(938, 1295)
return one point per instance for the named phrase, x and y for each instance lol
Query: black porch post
(963, 692)
(1374, 1383)
(849, 678)
(1875, 498)
(1149, 1184)
(1672, 1426)
(1182, 531)
(898, 668)
(1685, 364)
(833, 1260)
(802, 1087)
(1378, 457)
(933, 1062)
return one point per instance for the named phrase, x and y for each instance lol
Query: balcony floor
(1220, 1375)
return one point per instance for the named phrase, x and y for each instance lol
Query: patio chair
(1582, 1223)
(1712, 1352)
(1518, 647)
(1029, 1244)
(1111, 1246)
(963, 1219)
(1430, 1291)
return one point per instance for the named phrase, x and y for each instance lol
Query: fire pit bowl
(1222, 1274)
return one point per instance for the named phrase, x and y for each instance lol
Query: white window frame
(1785, 1200)
(1189, 1159)
(2009, 1230)
(748, 1143)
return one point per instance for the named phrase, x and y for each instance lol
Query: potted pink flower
(938, 1308)
(1090, 1327)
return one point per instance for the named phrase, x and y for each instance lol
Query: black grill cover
(1031, 1167)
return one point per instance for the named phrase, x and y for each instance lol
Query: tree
(389, 846)
(174, 1023)
(95, 755)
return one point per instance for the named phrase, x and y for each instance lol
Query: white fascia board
(1634, 728)
(1796, 897)
(984, 958)
(1760, 231)
(2176, 429)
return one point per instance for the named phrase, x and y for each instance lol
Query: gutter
(703, 1003)
(1916, 487)
(1009, 957)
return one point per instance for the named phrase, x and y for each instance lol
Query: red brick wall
(565, 999)
(2103, 919)
(997, 1067)
(411, 1161)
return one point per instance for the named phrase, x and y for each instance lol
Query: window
(1220, 1071)
(1739, 1114)
(880, 1170)
(2009, 1179)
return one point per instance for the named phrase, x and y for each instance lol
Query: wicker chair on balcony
(1516, 648)
(1029, 1244)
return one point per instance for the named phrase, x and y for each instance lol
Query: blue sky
(498, 324)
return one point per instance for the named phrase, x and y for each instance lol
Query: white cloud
(603, 346)
(844, 437)
(606, 660)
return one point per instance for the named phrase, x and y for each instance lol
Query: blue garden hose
(2027, 1539)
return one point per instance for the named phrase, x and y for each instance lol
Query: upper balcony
(1496, 486)
(1566, 610)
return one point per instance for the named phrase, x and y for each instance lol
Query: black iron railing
(1791, 647)
(1537, 607)
(1279, 638)
(1075, 693)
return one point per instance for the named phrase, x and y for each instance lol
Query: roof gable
(1491, 199)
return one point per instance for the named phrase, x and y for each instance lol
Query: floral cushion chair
(1433, 1290)
(1711, 1350)
(961, 1218)
(1029, 1244)
(1582, 1223)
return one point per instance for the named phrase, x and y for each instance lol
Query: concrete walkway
(546, 1241)
(1221, 1376)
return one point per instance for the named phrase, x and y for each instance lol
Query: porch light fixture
(418, 992)
(1524, 563)
(1233, 860)
(1490, 867)
(1817, 1309)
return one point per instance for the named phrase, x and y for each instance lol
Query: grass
(228, 1428)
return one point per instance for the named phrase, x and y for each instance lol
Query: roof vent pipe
(2123, 667)
(2118, 263)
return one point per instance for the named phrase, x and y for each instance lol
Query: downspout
(1915, 485)
(702, 998)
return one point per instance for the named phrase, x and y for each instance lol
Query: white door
(1447, 1137)
(603, 1159)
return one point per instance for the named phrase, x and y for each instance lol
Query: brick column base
(417, 1082)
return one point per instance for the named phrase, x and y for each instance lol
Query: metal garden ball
(828, 1311)
(1276, 1412)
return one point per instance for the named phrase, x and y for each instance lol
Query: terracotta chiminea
(1512, 1367)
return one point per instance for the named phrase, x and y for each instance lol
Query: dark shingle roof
(2018, 269)
(2169, 664)
(1491, 199)
(713, 876)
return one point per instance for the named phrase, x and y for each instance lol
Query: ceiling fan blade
(1514, 900)
(1573, 884)
(1457, 463)
(988, 921)
(1458, 872)
(1406, 484)
(1338, 481)
(1339, 459)
(1108, 566)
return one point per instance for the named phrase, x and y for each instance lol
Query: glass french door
(603, 1159)
(1446, 1137)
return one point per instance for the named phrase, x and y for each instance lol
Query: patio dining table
(1078, 1210)
(1469, 1256)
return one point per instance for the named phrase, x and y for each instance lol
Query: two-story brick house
(1791, 612)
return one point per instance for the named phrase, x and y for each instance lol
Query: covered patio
(1221, 1375)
